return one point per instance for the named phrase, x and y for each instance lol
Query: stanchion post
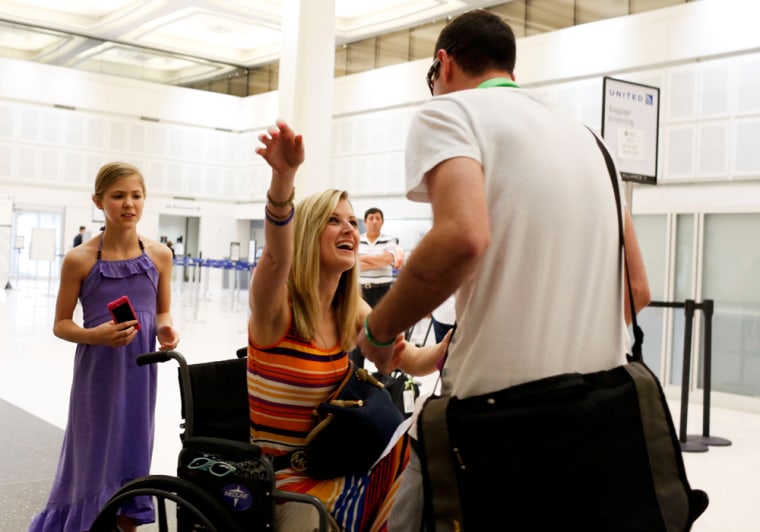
(686, 367)
(196, 288)
(708, 308)
(686, 445)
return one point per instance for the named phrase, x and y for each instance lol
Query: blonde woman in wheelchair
(306, 310)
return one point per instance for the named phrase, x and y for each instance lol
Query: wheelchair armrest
(223, 446)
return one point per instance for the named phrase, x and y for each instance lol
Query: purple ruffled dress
(109, 434)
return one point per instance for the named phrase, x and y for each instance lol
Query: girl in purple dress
(109, 433)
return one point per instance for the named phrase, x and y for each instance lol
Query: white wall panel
(176, 142)
(748, 85)
(93, 163)
(27, 163)
(195, 145)
(6, 155)
(747, 134)
(211, 181)
(51, 127)
(117, 138)
(158, 140)
(682, 95)
(74, 127)
(174, 181)
(213, 144)
(30, 120)
(96, 133)
(712, 154)
(680, 149)
(7, 121)
(137, 138)
(51, 165)
(155, 177)
(73, 168)
(193, 180)
(714, 79)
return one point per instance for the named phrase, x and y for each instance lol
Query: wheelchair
(223, 483)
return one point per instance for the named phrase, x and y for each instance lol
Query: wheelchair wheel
(198, 508)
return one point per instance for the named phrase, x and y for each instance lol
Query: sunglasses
(216, 468)
(432, 73)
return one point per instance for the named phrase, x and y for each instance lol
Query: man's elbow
(472, 244)
(642, 296)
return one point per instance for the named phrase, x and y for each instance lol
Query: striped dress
(286, 381)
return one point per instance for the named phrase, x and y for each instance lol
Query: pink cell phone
(121, 310)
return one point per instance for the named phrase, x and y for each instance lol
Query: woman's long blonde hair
(311, 217)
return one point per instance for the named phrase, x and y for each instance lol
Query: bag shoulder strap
(442, 506)
(638, 334)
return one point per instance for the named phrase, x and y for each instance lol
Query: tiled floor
(35, 375)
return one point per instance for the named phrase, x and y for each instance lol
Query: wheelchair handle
(160, 356)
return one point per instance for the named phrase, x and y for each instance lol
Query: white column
(306, 85)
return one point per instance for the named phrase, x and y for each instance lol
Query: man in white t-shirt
(524, 230)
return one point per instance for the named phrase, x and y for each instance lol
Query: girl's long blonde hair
(311, 217)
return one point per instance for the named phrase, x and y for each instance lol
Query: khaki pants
(299, 517)
(406, 513)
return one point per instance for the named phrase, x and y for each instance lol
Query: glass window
(652, 234)
(549, 15)
(592, 10)
(422, 40)
(341, 57)
(731, 277)
(513, 14)
(683, 290)
(361, 56)
(639, 6)
(25, 223)
(392, 48)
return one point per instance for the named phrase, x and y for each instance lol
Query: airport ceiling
(245, 33)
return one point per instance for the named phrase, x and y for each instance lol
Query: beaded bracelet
(272, 219)
(280, 204)
(371, 339)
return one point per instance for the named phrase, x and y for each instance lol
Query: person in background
(529, 242)
(79, 236)
(306, 310)
(398, 261)
(109, 433)
(377, 258)
(377, 255)
(444, 317)
(171, 246)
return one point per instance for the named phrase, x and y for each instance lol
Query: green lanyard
(498, 82)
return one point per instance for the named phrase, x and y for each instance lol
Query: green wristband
(371, 339)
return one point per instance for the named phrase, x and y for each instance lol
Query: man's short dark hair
(479, 41)
(373, 210)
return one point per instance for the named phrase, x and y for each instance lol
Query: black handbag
(592, 452)
(354, 426)
(402, 388)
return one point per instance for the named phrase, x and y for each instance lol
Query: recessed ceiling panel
(240, 32)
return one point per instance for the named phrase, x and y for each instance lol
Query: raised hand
(282, 149)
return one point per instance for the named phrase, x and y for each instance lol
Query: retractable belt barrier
(190, 270)
(695, 443)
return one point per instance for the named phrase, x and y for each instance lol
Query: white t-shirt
(546, 298)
